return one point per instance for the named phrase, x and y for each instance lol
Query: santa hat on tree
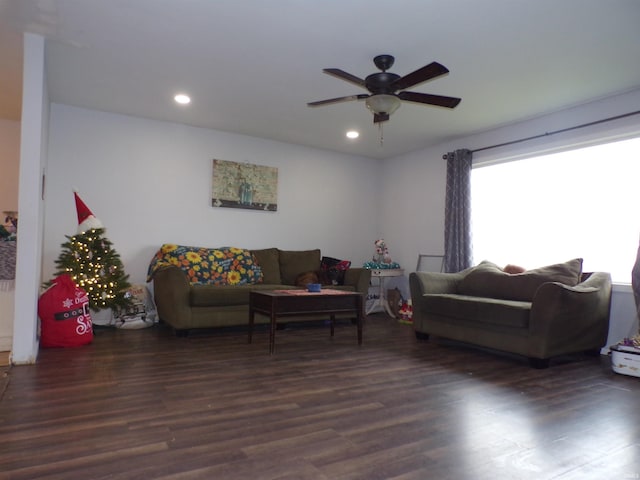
(86, 219)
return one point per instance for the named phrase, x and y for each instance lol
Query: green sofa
(542, 313)
(185, 305)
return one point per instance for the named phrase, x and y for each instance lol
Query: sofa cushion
(489, 280)
(490, 311)
(268, 259)
(225, 295)
(295, 262)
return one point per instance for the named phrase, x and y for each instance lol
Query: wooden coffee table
(289, 303)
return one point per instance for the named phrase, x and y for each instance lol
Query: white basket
(625, 363)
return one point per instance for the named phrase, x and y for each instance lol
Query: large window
(579, 203)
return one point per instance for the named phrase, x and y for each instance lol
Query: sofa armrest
(171, 291)
(423, 283)
(359, 278)
(568, 318)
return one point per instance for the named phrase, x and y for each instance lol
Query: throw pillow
(512, 269)
(332, 271)
(488, 280)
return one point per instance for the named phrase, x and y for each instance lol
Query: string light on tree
(93, 263)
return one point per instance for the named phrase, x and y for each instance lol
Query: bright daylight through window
(549, 209)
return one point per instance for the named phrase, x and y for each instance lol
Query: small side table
(381, 303)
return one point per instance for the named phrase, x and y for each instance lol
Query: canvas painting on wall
(244, 185)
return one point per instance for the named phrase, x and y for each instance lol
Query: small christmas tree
(93, 263)
(95, 266)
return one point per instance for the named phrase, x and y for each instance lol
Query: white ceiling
(251, 66)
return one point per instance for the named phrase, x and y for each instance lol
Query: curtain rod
(546, 134)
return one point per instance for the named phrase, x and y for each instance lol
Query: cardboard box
(625, 362)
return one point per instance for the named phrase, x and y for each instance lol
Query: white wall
(149, 182)
(33, 144)
(413, 189)
(412, 219)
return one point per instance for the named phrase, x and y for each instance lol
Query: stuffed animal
(406, 312)
(382, 252)
(513, 269)
(305, 278)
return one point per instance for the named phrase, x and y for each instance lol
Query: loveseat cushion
(488, 280)
(490, 311)
(268, 259)
(295, 262)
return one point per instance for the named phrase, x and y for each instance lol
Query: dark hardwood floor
(144, 404)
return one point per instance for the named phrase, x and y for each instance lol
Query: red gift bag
(64, 315)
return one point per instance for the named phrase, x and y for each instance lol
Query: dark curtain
(457, 212)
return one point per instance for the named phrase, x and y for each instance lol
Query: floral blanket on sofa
(211, 266)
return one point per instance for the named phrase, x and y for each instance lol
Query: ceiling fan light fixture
(382, 103)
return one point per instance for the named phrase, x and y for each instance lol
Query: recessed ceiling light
(352, 134)
(182, 99)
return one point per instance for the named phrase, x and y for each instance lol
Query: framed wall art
(244, 185)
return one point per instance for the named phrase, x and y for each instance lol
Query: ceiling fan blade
(329, 101)
(428, 72)
(336, 72)
(380, 117)
(438, 100)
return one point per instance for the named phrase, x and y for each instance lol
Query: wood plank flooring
(144, 404)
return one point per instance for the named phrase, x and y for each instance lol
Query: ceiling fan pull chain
(380, 128)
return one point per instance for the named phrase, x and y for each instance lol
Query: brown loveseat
(539, 314)
(209, 302)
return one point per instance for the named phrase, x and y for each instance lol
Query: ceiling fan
(388, 89)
